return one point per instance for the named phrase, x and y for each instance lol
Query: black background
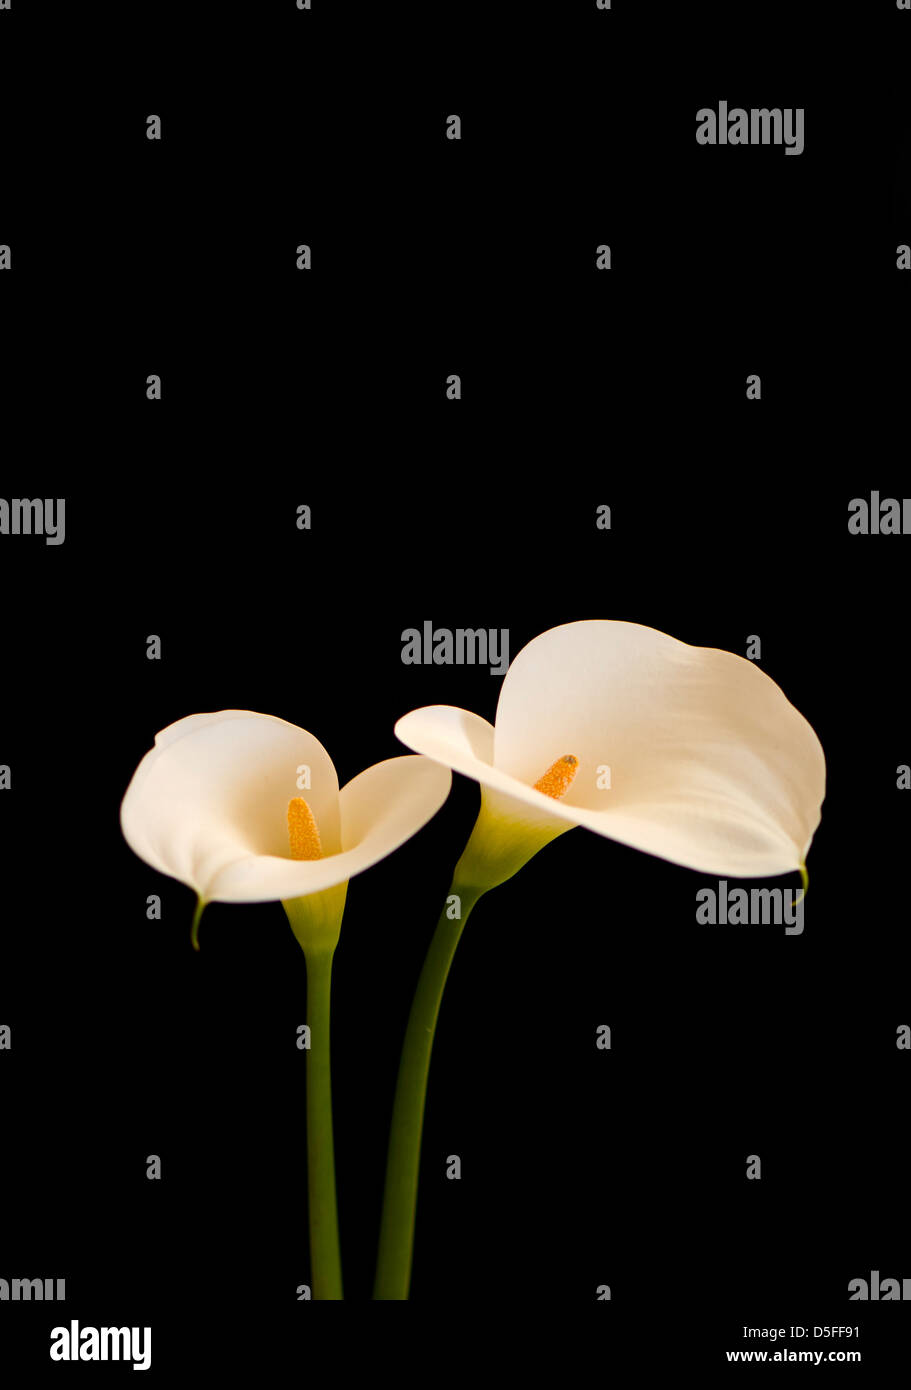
(327, 388)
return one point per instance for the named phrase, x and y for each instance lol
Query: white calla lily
(208, 805)
(689, 753)
(217, 804)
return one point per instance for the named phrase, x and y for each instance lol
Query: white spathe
(208, 805)
(710, 766)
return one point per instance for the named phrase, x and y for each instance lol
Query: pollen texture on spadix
(558, 777)
(303, 831)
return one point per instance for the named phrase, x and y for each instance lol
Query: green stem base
(393, 1274)
(325, 1253)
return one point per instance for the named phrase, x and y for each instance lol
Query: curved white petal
(381, 808)
(215, 790)
(465, 742)
(197, 721)
(388, 803)
(710, 766)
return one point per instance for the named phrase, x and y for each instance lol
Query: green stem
(197, 916)
(393, 1273)
(325, 1255)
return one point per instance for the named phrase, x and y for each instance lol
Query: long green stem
(325, 1255)
(393, 1273)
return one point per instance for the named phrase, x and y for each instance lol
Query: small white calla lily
(217, 804)
(209, 805)
(689, 753)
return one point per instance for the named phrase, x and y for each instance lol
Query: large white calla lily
(689, 753)
(209, 805)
